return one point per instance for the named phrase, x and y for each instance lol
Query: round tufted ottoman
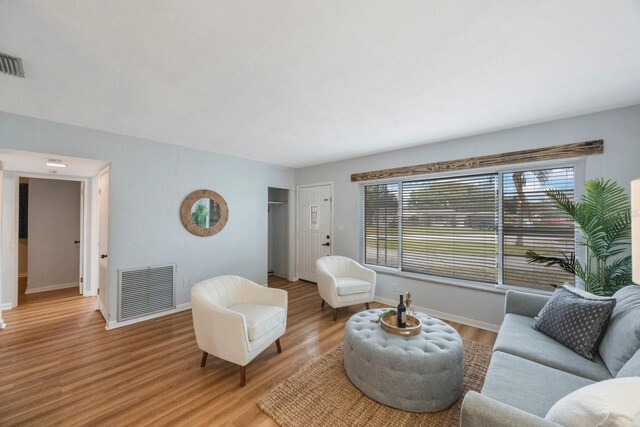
(422, 373)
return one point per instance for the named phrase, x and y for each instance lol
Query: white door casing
(88, 270)
(103, 244)
(314, 227)
(81, 240)
(2, 324)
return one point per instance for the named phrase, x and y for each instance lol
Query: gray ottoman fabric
(422, 373)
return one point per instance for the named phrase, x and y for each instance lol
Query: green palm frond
(566, 262)
(603, 216)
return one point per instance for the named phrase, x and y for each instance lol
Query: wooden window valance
(538, 154)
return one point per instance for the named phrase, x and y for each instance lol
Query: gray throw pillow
(576, 319)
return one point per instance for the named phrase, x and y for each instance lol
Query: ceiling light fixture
(55, 163)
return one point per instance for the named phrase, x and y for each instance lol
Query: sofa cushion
(351, 285)
(576, 319)
(631, 368)
(622, 338)
(260, 318)
(528, 385)
(518, 337)
(605, 403)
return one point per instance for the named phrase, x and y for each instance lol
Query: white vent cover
(144, 291)
(11, 65)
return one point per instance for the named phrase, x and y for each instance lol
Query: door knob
(76, 241)
(103, 256)
(326, 244)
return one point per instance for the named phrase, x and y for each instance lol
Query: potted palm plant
(603, 216)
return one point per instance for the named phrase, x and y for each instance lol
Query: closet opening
(278, 234)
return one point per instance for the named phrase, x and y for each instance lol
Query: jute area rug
(322, 395)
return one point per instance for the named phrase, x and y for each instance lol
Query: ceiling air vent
(11, 65)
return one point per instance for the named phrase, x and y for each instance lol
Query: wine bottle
(402, 313)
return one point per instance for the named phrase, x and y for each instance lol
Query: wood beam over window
(525, 156)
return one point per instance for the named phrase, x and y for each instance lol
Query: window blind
(381, 222)
(531, 220)
(449, 227)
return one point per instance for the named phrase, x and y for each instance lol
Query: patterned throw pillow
(576, 319)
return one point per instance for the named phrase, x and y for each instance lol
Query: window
(449, 227)
(381, 225)
(476, 227)
(532, 221)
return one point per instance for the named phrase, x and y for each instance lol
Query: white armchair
(343, 282)
(236, 319)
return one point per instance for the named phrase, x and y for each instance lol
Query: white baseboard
(20, 275)
(2, 324)
(51, 287)
(6, 306)
(114, 324)
(445, 316)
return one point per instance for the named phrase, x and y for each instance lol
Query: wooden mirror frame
(187, 219)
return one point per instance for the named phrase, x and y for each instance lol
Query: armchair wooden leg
(204, 359)
(278, 345)
(322, 305)
(366, 304)
(335, 314)
(243, 375)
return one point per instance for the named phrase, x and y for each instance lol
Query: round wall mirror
(204, 213)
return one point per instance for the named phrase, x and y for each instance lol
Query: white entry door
(103, 244)
(314, 228)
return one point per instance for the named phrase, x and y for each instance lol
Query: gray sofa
(530, 371)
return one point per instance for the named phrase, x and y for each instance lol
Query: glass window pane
(532, 221)
(381, 224)
(449, 227)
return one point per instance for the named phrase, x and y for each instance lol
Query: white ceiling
(308, 81)
(35, 163)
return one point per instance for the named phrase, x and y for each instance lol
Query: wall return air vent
(144, 291)
(11, 65)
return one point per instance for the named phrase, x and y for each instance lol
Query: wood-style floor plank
(58, 365)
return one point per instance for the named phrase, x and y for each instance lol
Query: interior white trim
(112, 324)
(445, 316)
(50, 287)
(6, 306)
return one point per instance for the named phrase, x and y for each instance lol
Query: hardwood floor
(58, 365)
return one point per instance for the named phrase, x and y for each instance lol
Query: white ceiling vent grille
(145, 291)
(11, 65)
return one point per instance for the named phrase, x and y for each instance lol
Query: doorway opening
(278, 234)
(51, 222)
(50, 228)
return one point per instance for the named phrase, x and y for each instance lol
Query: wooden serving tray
(390, 324)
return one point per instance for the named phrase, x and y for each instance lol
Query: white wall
(619, 128)
(54, 226)
(149, 180)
